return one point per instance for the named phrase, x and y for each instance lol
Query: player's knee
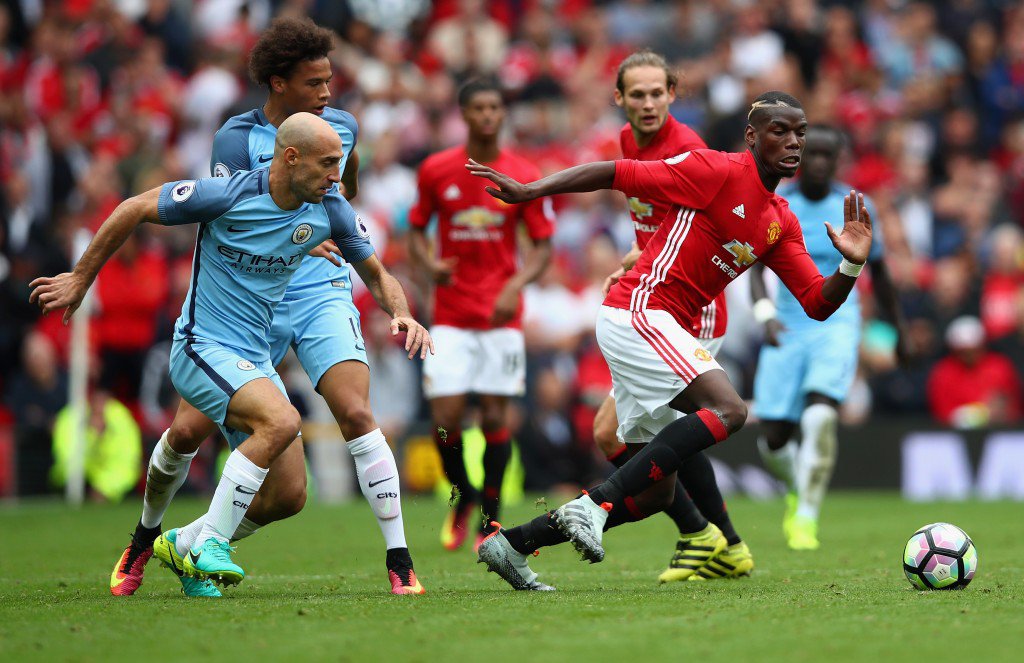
(357, 420)
(281, 425)
(185, 437)
(732, 412)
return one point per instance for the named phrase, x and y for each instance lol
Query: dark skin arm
(536, 261)
(350, 178)
(578, 179)
(888, 302)
(759, 291)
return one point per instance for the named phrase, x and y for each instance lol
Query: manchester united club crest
(702, 354)
(774, 231)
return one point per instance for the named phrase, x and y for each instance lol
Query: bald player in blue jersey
(255, 229)
(806, 367)
(317, 317)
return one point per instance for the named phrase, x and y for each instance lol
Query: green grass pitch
(317, 591)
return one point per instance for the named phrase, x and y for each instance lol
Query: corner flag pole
(78, 393)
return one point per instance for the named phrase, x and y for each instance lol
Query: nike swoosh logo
(265, 159)
(245, 491)
(374, 483)
(193, 557)
(232, 229)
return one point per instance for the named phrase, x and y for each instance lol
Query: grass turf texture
(316, 589)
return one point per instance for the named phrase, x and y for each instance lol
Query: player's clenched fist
(417, 337)
(53, 293)
(854, 240)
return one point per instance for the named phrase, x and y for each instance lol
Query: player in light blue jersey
(806, 367)
(255, 229)
(317, 317)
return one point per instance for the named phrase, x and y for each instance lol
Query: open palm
(854, 240)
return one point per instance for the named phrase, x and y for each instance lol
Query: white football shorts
(475, 361)
(652, 359)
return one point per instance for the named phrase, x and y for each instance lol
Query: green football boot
(212, 561)
(165, 550)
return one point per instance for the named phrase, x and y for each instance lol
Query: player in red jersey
(708, 546)
(724, 217)
(477, 302)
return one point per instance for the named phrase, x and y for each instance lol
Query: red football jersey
(673, 138)
(721, 222)
(477, 229)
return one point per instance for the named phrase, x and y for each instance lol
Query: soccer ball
(940, 556)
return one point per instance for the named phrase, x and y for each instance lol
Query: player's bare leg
(346, 388)
(446, 414)
(168, 467)
(494, 422)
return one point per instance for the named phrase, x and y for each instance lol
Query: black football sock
(144, 537)
(496, 456)
(538, 533)
(620, 456)
(698, 476)
(683, 511)
(449, 446)
(677, 441)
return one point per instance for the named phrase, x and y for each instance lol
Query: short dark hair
(288, 42)
(829, 129)
(477, 85)
(644, 58)
(772, 99)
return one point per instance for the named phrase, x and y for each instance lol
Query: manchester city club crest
(302, 234)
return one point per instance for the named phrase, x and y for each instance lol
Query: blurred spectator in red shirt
(131, 291)
(1004, 279)
(972, 386)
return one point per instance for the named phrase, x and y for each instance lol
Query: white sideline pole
(78, 396)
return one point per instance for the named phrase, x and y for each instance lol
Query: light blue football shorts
(820, 359)
(208, 374)
(322, 324)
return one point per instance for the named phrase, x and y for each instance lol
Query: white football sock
(377, 474)
(238, 486)
(167, 471)
(245, 528)
(188, 534)
(817, 457)
(780, 462)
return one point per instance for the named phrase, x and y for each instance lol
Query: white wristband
(849, 268)
(764, 310)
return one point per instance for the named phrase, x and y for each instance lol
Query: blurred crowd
(103, 99)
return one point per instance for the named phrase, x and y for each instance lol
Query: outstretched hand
(417, 338)
(53, 293)
(854, 240)
(508, 191)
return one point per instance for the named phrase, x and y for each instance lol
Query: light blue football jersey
(812, 215)
(246, 142)
(247, 251)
